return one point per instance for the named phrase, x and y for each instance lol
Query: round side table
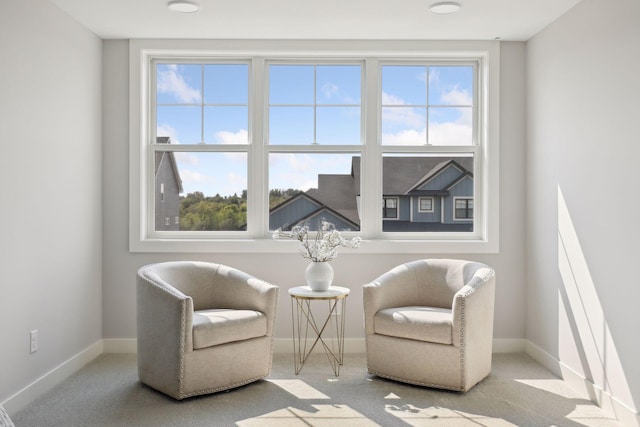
(303, 319)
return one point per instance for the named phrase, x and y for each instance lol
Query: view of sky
(208, 104)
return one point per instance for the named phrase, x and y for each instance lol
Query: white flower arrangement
(323, 246)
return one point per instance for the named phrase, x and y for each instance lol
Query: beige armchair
(202, 327)
(430, 323)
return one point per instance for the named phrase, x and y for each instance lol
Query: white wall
(583, 198)
(50, 169)
(352, 270)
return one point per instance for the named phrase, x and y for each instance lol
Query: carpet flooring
(519, 392)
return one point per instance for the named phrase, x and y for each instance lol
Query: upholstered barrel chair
(203, 327)
(430, 323)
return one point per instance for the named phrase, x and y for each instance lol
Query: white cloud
(457, 97)
(295, 170)
(297, 162)
(451, 133)
(405, 137)
(186, 158)
(225, 137)
(434, 76)
(191, 177)
(388, 99)
(329, 90)
(448, 133)
(235, 184)
(170, 81)
(167, 130)
(302, 181)
(406, 116)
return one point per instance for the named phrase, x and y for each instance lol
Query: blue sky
(209, 104)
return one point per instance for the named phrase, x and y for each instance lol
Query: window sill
(374, 246)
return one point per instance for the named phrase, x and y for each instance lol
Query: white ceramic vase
(319, 276)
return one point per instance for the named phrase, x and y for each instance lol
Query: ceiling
(315, 19)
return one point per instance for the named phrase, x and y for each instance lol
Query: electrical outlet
(34, 341)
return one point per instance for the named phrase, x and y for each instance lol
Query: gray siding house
(334, 201)
(168, 187)
(419, 194)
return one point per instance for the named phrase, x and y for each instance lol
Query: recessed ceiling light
(183, 6)
(444, 8)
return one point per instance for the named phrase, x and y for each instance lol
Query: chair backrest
(433, 282)
(211, 285)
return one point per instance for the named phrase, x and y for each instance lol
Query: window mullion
(258, 187)
(371, 165)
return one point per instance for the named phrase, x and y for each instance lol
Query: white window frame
(484, 238)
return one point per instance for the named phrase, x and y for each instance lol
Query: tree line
(222, 213)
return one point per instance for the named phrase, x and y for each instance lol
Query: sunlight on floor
(299, 389)
(437, 416)
(585, 414)
(325, 415)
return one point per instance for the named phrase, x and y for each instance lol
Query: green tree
(277, 196)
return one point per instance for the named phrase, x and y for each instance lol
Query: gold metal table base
(304, 323)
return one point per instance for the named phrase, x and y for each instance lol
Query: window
(463, 208)
(239, 142)
(427, 109)
(390, 208)
(200, 142)
(314, 138)
(426, 204)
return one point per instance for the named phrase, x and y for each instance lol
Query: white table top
(334, 292)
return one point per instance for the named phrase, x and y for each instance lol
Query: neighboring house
(427, 194)
(168, 188)
(419, 194)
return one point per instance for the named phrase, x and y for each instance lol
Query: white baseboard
(543, 358)
(509, 345)
(46, 382)
(611, 405)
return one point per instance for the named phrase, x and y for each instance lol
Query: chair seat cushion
(219, 326)
(417, 323)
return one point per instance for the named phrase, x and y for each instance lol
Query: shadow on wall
(585, 340)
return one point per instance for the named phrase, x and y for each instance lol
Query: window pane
(291, 125)
(404, 126)
(426, 203)
(207, 191)
(405, 119)
(451, 85)
(450, 126)
(178, 84)
(404, 85)
(390, 208)
(338, 84)
(291, 84)
(226, 84)
(440, 178)
(183, 124)
(307, 188)
(226, 125)
(338, 125)
(464, 208)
